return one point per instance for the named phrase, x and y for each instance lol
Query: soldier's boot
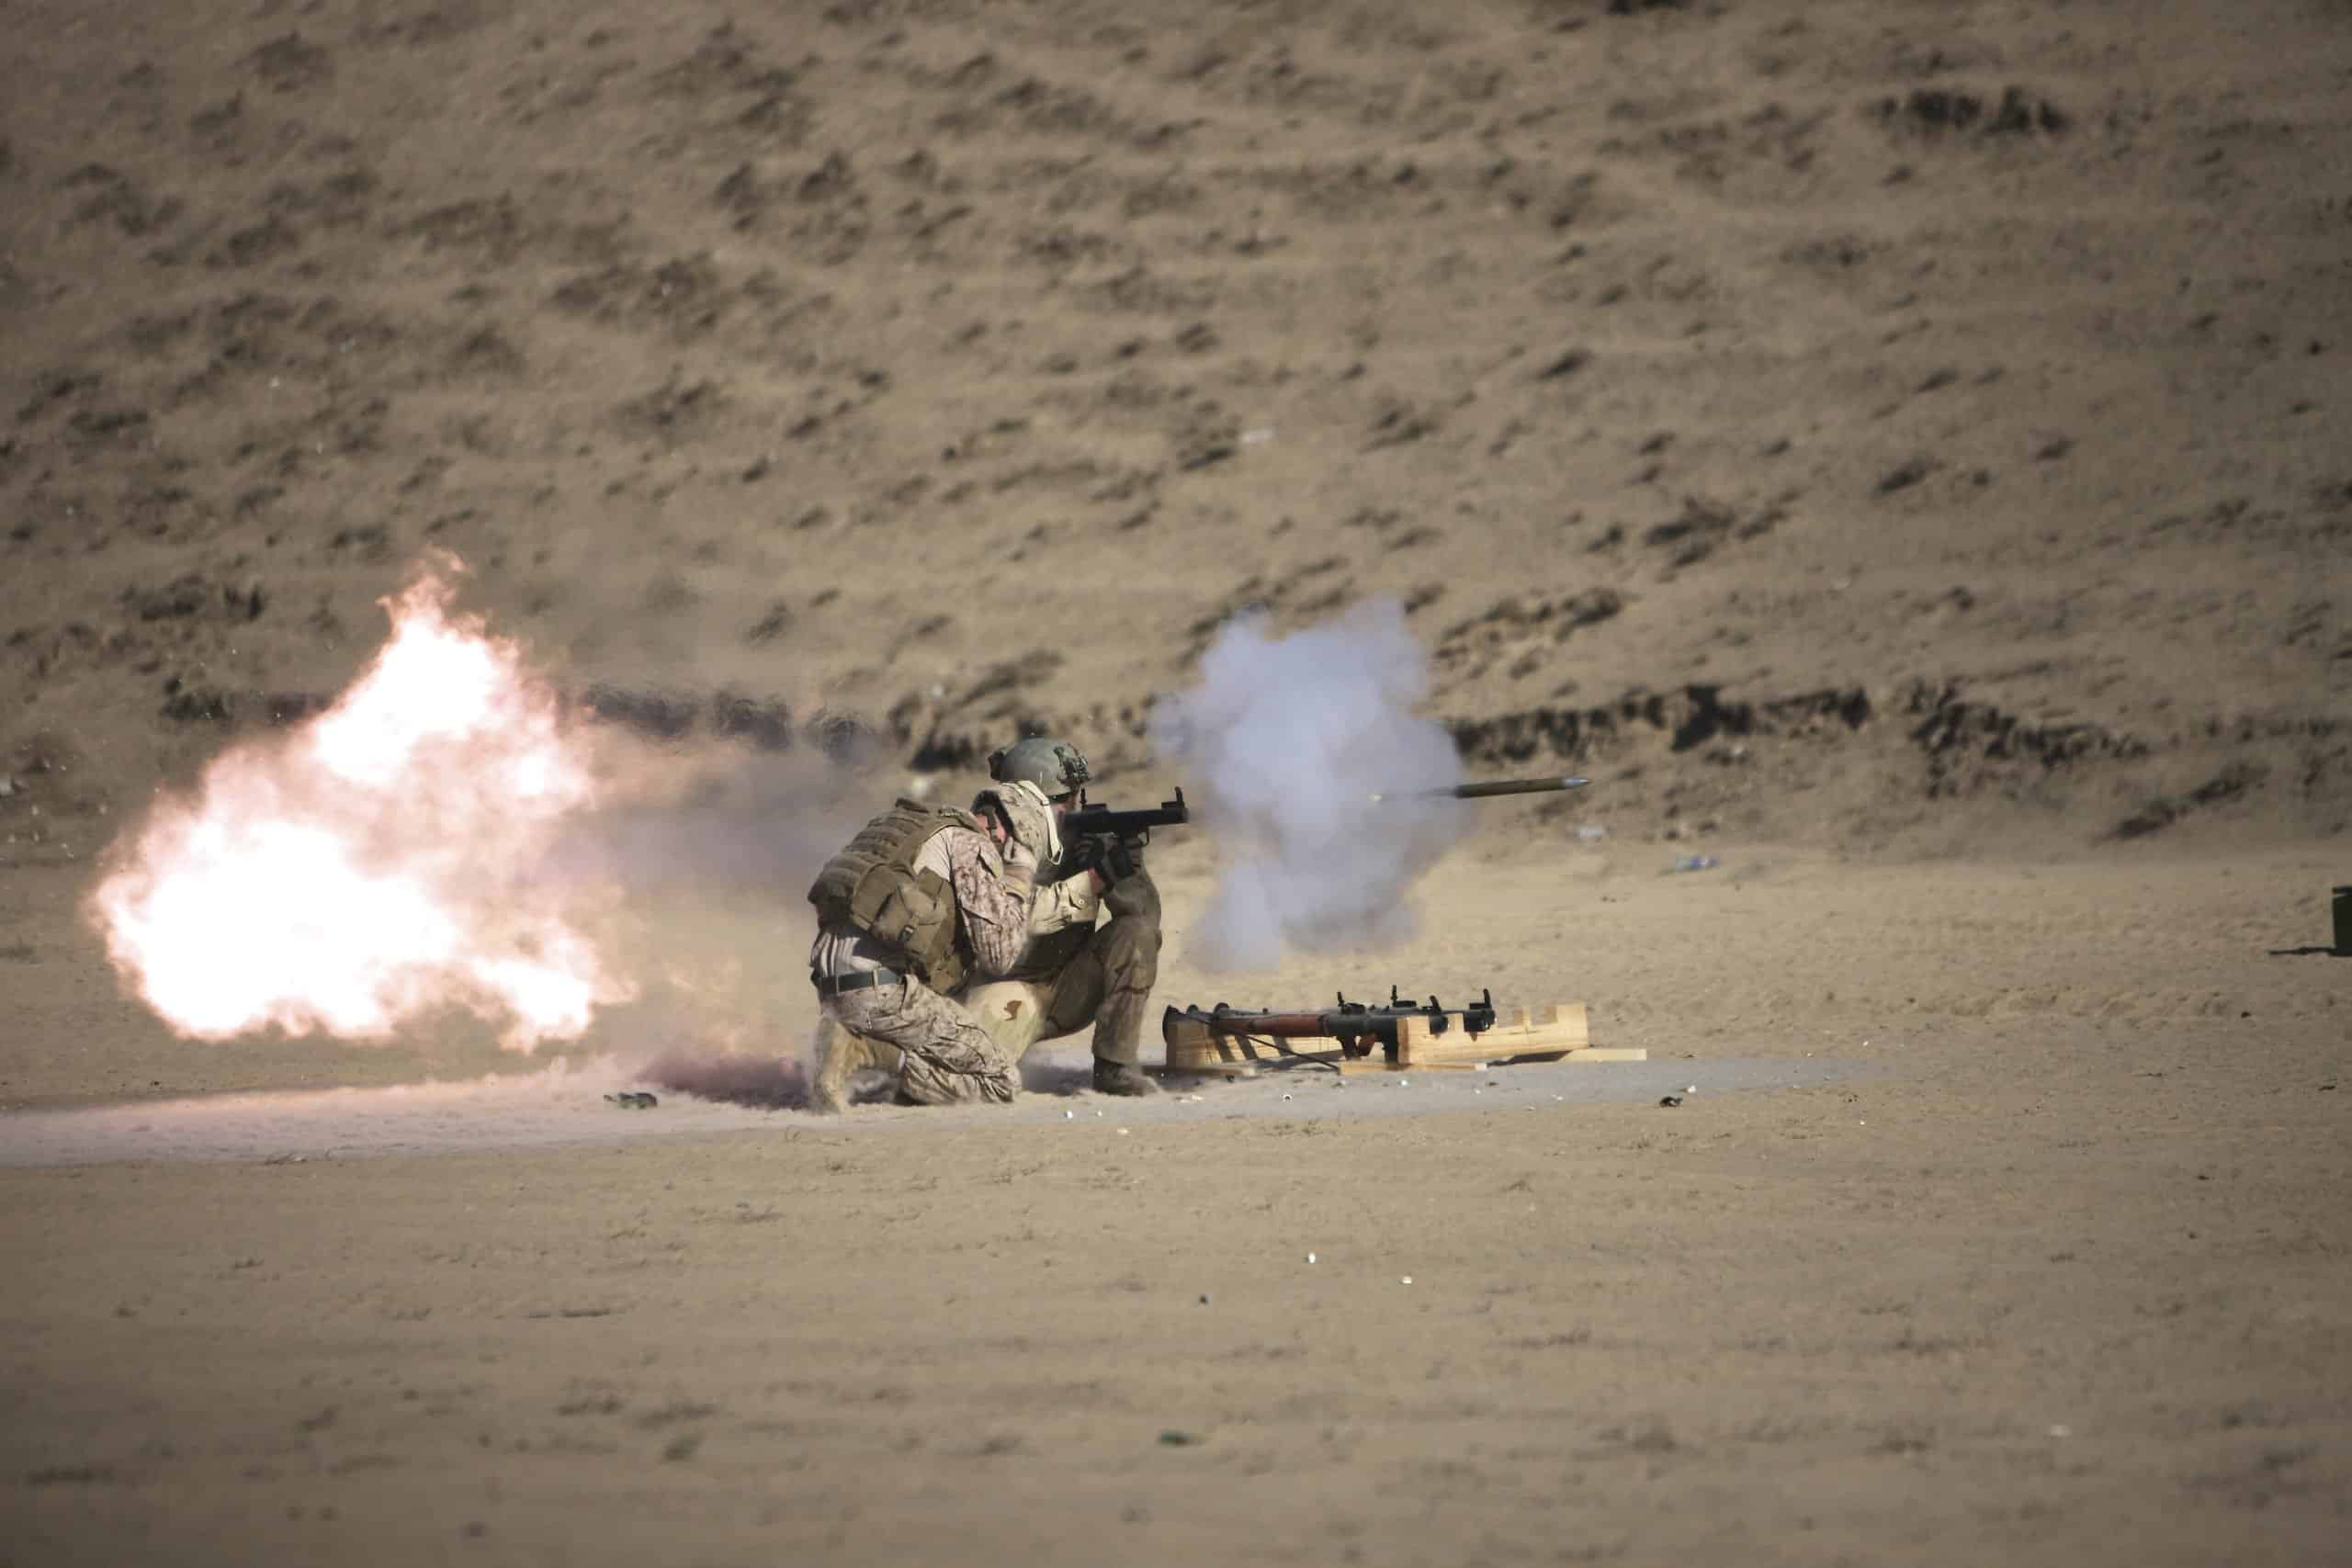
(1122, 1078)
(1128, 948)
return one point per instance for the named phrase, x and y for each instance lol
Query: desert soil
(1901, 450)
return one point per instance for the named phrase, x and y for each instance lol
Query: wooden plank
(1196, 1047)
(1377, 1064)
(1193, 1046)
(1556, 1030)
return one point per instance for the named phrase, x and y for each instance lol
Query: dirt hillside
(1894, 426)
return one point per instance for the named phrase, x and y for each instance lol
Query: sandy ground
(1897, 447)
(2041, 1251)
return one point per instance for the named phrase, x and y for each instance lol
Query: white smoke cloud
(713, 820)
(1284, 742)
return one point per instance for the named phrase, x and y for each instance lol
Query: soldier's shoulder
(927, 819)
(968, 840)
(909, 805)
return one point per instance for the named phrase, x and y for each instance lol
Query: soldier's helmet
(1054, 766)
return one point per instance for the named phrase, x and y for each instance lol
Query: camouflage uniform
(1072, 973)
(949, 1055)
(1075, 974)
(1069, 974)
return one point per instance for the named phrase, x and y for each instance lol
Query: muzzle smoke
(1283, 742)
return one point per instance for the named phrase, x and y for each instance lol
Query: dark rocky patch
(290, 63)
(1905, 475)
(116, 198)
(1969, 743)
(2232, 781)
(192, 595)
(1941, 111)
(187, 704)
(673, 412)
(1688, 716)
(1517, 630)
(1703, 526)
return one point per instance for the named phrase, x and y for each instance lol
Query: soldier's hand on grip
(1123, 859)
(1080, 856)
(1116, 858)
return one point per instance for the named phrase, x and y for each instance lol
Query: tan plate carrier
(1556, 1033)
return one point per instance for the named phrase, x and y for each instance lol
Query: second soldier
(920, 899)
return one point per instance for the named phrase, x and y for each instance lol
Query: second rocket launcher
(1485, 791)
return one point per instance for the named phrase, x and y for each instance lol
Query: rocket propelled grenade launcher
(1484, 791)
(1410, 1035)
(1089, 818)
(1357, 1026)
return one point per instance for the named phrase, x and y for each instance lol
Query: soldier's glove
(1123, 860)
(1080, 856)
(1117, 859)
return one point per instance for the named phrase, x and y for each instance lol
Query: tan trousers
(931, 1033)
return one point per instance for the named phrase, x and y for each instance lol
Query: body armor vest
(872, 887)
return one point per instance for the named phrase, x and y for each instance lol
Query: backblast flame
(377, 863)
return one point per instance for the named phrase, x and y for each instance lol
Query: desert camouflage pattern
(1028, 813)
(953, 1058)
(1104, 980)
(992, 899)
(948, 1058)
(992, 896)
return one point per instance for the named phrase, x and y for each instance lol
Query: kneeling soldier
(1077, 974)
(1071, 974)
(921, 899)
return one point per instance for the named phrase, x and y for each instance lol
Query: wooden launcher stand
(1556, 1033)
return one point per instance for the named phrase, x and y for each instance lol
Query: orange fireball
(377, 863)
